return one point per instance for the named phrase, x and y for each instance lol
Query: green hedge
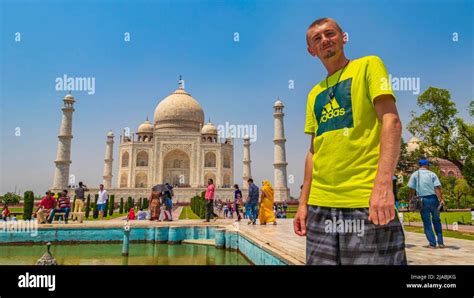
(88, 205)
(198, 205)
(95, 212)
(145, 203)
(28, 202)
(121, 206)
(111, 205)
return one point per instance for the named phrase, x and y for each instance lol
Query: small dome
(69, 96)
(110, 134)
(179, 111)
(209, 129)
(413, 144)
(278, 103)
(145, 127)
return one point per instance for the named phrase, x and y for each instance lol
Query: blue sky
(233, 81)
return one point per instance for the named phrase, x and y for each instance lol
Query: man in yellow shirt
(347, 208)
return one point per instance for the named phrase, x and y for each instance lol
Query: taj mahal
(177, 147)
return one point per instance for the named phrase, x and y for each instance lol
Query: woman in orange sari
(266, 214)
(154, 205)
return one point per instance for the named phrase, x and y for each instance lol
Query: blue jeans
(66, 214)
(430, 216)
(253, 211)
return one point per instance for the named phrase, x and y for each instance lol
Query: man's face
(325, 40)
(101, 187)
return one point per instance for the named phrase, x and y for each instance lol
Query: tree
(444, 135)
(10, 199)
(403, 193)
(112, 205)
(461, 188)
(121, 206)
(145, 203)
(403, 162)
(95, 210)
(88, 205)
(28, 202)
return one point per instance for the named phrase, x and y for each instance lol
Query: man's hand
(382, 204)
(299, 222)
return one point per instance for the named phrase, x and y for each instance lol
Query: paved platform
(281, 240)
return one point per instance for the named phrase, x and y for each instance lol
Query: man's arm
(299, 223)
(382, 200)
(439, 194)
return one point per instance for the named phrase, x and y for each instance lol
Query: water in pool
(111, 254)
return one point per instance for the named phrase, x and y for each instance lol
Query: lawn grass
(450, 217)
(187, 213)
(446, 234)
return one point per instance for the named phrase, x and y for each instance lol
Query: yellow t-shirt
(346, 134)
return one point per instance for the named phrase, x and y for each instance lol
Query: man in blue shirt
(427, 186)
(253, 201)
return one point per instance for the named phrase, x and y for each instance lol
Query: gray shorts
(345, 236)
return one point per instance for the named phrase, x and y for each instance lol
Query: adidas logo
(332, 110)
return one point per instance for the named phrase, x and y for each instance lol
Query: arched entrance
(177, 168)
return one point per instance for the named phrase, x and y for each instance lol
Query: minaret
(63, 156)
(109, 152)
(279, 158)
(246, 160)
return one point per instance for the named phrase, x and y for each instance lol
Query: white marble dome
(145, 127)
(179, 111)
(278, 103)
(209, 129)
(413, 144)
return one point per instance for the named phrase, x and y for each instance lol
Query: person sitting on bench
(64, 205)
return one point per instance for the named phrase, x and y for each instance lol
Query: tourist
(44, 208)
(252, 200)
(266, 213)
(80, 198)
(5, 213)
(131, 214)
(428, 189)
(237, 200)
(64, 206)
(209, 196)
(154, 205)
(226, 210)
(169, 202)
(102, 201)
(285, 206)
(141, 215)
(355, 142)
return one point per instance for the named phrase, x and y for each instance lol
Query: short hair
(210, 179)
(101, 185)
(250, 180)
(65, 191)
(321, 21)
(80, 183)
(236, 186)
